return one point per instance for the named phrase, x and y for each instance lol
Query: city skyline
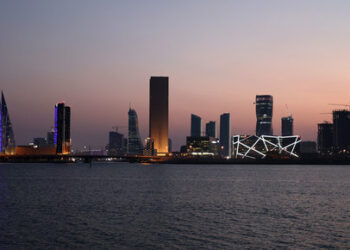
(98, 57)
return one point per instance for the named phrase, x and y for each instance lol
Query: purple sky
(98, 57)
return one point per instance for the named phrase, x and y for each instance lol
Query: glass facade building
(287, 126)
(7, 138)
(62, 137)
(196, 125)
(325, 138)
(134, 141)
(225, 134)
(264, 109)
(210, 129)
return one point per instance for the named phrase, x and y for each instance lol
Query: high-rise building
(196, 125)
(341, 130)
(62, 137)
(325, 137)
(159, 113)
(7, 137)
(149, 147)
(210, 129)
(116, 143)
(264, 105)
(287, 126)
(40, 142)
(50, 138)
(225, 134)
(134, 141)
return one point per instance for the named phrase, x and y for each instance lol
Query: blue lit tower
(62, 138)
(134, 140)
(264, 104)
(7, 138)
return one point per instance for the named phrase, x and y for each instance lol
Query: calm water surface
(122, 205)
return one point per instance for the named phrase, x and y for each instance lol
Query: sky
(98, 56)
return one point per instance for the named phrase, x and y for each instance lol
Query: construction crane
(117, 127)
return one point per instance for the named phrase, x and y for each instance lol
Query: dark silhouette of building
(50, 138)
(159, 113)
(341, 130)
(210, 129)
(325, 138)
(116, 143)
(40, 142)
(264, 105)
(62, 128)
(170, 145)
(7, 137)
(225, 134)
(134, 141)
(287, 126)
(149, 148)
(196, 125)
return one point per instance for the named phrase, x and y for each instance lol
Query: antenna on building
(337, 104)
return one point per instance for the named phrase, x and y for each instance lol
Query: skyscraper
(134, 140)
(225, 134)
(62, 137)
(341, 130)
(7, 138)
(50, 138)
(287, 126)
(264, 105)
(159, 113)
(116, 143)
(325, 137)
(196, 125)
(210, 129)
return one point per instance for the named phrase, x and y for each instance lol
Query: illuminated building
(259, 147)
(134, 141)
(159, 113)
(7, 137)
(62, 137)
(264, 105)
(116, 143)
(287, 126)
(196, 125)
(202, 145)
(225, 134)
(325, 138)
(210, 129)
(341, 130)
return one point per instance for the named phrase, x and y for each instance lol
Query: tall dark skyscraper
(341, 130)
(134, 141)
(287, 126)
(7, 138)
(264, 105)
(116, 143)
(159, 113)
(62, 137)
(196, 125)
(325, 137)
(225, 134)
(210, 129)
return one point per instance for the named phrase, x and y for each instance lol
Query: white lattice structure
(245, 146)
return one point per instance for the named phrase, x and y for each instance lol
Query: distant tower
(134, 140)
(7, 138)
(159, 113)
(264, 105)
(196, 125)
(325, 137)
(62, 137)
(287, 126)
(341, 129)
(50, 138)
(225, 134)
(210, 129)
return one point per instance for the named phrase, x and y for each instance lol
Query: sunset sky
(98, 57)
